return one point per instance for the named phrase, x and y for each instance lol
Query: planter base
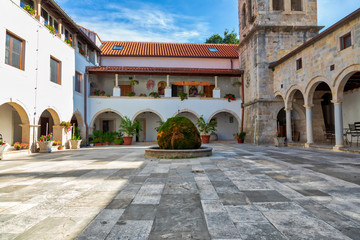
(45, 147)
(279, 141)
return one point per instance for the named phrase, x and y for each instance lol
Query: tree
(229, 38)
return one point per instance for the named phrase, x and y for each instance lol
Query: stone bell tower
(268, 30)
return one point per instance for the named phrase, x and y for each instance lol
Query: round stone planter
(75, 144)
(156, 152)
(45, 147)
(279, 141)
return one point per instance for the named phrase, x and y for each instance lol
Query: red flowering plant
(98, 92)
(66, 125)
(277, 134)
(82, 51)
(46, 138)
(154, 95)
(230, 97)
(68, 41)
(51, 28)
(2, 142)
(201, 94)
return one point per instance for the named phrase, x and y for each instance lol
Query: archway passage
(46, 122)
(188, 115)
(281, 122)
(227, 125)
(78, 122)
(149, 121)
(107, 122)
(14, 124)
(295, 105)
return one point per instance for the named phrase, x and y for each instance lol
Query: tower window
(299, 64)
(278, 5)
(345, 41)
(249, 10)
(244, 16)
(296, 5)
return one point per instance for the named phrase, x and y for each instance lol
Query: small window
(55, 70)
(213, 49)
(345, 41)
(78, 78)
(118, 47)
(45, 15)
(299, 64)
(296, 5)
(244, 17)
(278, 5)
(14, 53)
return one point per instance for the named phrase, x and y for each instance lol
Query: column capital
(337, 102)
(309, 106)
(288, 109)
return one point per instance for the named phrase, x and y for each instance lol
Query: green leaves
(229, 38)
(129, 128)
(205, 127)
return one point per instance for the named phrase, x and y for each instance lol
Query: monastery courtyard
(241, 192)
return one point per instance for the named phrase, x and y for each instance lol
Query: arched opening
(249, 4)
(149, 121)
(48, 119)
(298, 122)
(281, 122)
(14, 123)
(107, 121)
(227, 125)
(189, 115)
(278, 5)
(77, 120)
(323, 114)
(350, 106)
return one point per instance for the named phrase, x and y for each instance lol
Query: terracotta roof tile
(162, 71)
(151, 49)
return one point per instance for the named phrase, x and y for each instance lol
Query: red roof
(151, 49)
(164, 71)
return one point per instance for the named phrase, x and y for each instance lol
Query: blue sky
(174, 20)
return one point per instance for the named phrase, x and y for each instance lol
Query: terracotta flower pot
(127, 140)
(240, 140)
(106, 143)
(60, 148)
(205, 139)
(97, 144)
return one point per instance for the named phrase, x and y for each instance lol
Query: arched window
(296, 5)
(244, 16)
(250, 10)
(278, 5)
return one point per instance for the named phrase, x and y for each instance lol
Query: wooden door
(125, 89)
(44, 121)
(208, 90)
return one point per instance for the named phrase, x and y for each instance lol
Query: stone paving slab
(241, 192)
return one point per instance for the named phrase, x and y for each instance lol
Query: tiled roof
(164, 71)
(151, 49)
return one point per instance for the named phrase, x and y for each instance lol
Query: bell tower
(268, 30)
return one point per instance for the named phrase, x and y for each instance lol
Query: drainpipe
(242, 103)
(85, 107)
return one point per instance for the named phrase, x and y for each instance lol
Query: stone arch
(148, 110)
(79, 118)
(21, 110)
(279, 94)
(103, 111)
(289, 96)
(311, 87)
(342, 79)
(187, 110)
(227, 111)
(226, 129)
(54, 114)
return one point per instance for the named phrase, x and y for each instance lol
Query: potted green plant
(29, 10)
(131, 94)
(129, 128)
(202, 94)
(98, 92)
(230, 97)
(206, 129)
(240, 137)
(118, 138)
(97, 137)
(75, 141)
(142, 95)
(45, 143)
(109, 138)
(3, 147)
(182, 96)
(279, 140)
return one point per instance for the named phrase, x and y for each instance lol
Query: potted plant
(131, 94)
(154, 95)
(75, 140)
(206, 129)
(279, 140)
(230, 97)
(98, 92)
(109, 137)
(142, 95)
(182, 96)
(118, 141)
(61, 147)
(29, 10)
(68, 41)
(202, 94)
(240, 137)
(82, 51)
(3, 147)
(45, 143)
(51, 28)
(24, 146)
(129, 128)
(97, 137)
(67, 126)
(17, 146)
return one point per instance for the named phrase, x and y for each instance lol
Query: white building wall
(218, 63)
(350, 104)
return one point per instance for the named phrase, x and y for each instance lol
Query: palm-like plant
(130, 128)
(206, 128)
(97, 136)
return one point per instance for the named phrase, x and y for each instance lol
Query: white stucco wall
(351, 107)
(226, 129)
(219, 63)
(10, 124)
(148, 122)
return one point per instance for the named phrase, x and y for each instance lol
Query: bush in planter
(97, 137)
(118, 141)
(206, 129)
(129, 128)
(178, 133)
(109, 137)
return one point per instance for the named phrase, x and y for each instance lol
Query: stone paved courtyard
(241, 192)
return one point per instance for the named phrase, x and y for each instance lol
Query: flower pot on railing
(279, 141)
(45, 147)
(75, 144)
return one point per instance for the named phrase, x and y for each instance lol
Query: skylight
(213, 49)
(117, 47)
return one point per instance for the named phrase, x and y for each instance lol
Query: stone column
(288, 125)
(309, 126)
(116, 90)
(339, 137)
(75, 42)
(216, 90)
(168, 88)
(38, 10)
(58, 134)
(60, 35)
